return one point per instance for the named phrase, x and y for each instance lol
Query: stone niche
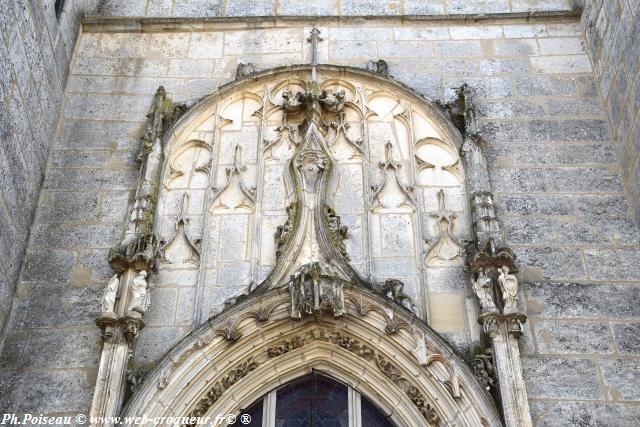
(397, 189)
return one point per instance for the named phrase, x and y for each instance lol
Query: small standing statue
(296, 289)
(140, 297)
(109, 297)
(483, 289)
(509, 287)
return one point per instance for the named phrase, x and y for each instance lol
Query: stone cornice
(97, 24)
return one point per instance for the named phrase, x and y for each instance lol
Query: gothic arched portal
(318, 202)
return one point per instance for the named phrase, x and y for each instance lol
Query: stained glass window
(316, 401)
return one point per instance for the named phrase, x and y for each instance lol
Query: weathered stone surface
(627, 337)
(153, 343)
(10, 386)
(551, 205)
(585, 153)
(320, 7)
(48, 266)
(530, 230)
(567, 130)
(73, 392)
(64, 349)
(163, 307)
(612, 264)
(72, 235)
(569, 337)
(587, 301)
(240, 7)
(584, 180)
(622, 377)
(615, 415)
(14, 346)
(75, 306)
(551, 378)
(546, 413)
(518, 180)
(370, 7)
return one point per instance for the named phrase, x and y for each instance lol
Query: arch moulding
(315, 304)
(379, 349)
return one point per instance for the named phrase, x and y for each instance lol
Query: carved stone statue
(394, 289)
(380, 66)
(109, 297)
(140, 297)
(484, 291)
(315, 289)
(244, 70)
(509, 287)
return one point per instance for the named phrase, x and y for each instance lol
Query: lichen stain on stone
(534, 306)
(613, 393)
(546, 336)
(531, 275)
(80, 276)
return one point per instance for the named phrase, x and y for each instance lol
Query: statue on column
(140, 297)
(109, 297)
(483, 288)
(509, 288)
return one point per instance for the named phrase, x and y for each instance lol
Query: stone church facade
(424, 210)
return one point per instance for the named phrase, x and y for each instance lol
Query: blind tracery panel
(397, 185)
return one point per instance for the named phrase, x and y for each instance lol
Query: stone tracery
(298, 178)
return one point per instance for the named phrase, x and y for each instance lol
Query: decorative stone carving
(338, 338)
(379, 67)
(234, 195)
(445, 248)
(140, 297)
(244, 70)
(135, 253)
(312, 233)
(279, 148)
(394, 290)
(109, 297)
(391, 193)
(509, 287)
(157, 122)
(283, 232)
(491, 266)
(338, 232)
(342, 146)
(483, 368)
(483, 288)
(139, 247)
(315, 288)
(179, 248)
(230, 332)
(190, 159)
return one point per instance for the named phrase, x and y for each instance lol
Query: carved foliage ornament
(338, 338)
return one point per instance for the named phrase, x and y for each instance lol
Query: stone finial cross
(314, 38)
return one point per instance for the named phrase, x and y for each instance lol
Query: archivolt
(378, 348)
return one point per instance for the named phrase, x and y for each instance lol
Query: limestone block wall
(213, 8)
(553, 168)
(612, 33)
(35, 50)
